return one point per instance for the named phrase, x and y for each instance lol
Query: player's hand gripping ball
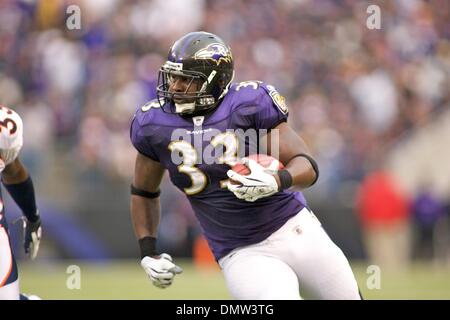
(254, 177)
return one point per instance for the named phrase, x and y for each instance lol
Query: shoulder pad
(11, 129)
(153, 104)
(145, 113)
(253, 92)
(277, 98)
(246, 92)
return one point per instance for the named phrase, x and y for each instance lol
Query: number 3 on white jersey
(11, 136)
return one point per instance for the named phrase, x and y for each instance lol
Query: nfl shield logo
(198, 121)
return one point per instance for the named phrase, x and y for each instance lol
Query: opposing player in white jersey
(18, 182)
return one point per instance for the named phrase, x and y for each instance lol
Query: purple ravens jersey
(187, 147)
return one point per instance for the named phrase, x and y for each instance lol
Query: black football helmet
(202, 59)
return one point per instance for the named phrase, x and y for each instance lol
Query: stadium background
(373, 105)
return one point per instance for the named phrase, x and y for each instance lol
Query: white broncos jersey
(11, 136)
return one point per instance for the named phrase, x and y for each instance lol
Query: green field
(126, 280)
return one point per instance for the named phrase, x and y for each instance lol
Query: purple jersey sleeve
(260, 107)
(141, 141)
(272, 108)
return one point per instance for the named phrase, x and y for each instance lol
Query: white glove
(260, 183)
(33, 235)
(161, 271)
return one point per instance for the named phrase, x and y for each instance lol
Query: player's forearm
(145, 216)
(16, 180)
(302, 172)
(294, 154)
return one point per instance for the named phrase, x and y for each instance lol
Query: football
(264, 160)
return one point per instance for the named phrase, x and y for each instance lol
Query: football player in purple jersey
(263, 235)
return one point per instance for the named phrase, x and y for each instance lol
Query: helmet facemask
(190, 100)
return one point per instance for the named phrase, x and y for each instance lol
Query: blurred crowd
(352, 91)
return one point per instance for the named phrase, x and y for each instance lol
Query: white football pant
(298, 256)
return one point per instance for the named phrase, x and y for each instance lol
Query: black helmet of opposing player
(204, 64)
